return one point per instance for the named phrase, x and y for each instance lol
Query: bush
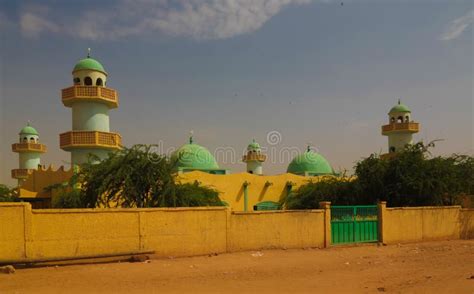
(7, 194)
(68, 199)
(411, 178)
(132, 177)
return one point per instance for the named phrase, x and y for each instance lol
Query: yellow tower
(90, 101)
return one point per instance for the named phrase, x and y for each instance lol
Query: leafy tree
(133, 177)
(68, 198)
(412, 178)
(7, 194)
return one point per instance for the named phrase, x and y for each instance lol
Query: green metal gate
(354, 224)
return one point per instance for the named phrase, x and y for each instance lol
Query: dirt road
(435, 267)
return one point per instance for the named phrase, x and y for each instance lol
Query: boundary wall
(42, 234)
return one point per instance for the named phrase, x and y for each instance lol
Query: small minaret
(254, 158)
(90, 101)
(400, 129)
(29, 149)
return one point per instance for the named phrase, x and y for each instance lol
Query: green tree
(7, 194)
(412, 178)
(135, 177)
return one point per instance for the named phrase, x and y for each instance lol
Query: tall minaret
(29, 149)
(254, 158)
(400, 129)
(90, 101)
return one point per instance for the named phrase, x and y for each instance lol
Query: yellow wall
(34, 185)
(415, 224)
(12, 230)
(185, 231)
(466, 218)
(63, 233)
(276, 229)
(232, 191)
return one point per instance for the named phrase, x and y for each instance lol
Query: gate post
(381, 207)
(326, 205)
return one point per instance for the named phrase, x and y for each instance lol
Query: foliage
(188, 195)
(7, 194)
(411, 178)
(68, 198)
(133, 177)
(337, 190)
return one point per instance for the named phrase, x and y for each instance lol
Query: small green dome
(399, 108)
(310, 162)
(89, 64)
(194, 156)
(253, 146)
(29, 130)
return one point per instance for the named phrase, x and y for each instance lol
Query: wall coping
(278, 211)
(126, 210)
(14, 204)
(424, 207)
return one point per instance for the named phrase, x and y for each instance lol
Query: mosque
(91, 100)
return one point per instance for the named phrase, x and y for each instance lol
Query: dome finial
(399, 101)
(308, 148)
(28, 123)
(191, 133)
(88, 52)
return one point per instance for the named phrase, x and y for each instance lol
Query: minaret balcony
(408, 127)
(89, 139)
(21, 173)
(254, 157)
(28, 147)
(89, 94)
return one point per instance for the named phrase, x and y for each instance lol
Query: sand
(432, 267)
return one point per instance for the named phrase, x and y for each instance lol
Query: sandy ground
(434, 267)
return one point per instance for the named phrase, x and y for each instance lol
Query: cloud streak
(196, 19)
(457, 27)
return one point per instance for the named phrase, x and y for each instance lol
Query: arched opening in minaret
(88, 81)
(32, 140)
(99, 82)
(400, 119)
(25, 140)
(407, 118)
(392, 120)
(77, 81)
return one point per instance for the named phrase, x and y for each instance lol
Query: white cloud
(458, 26)
(197, 19)
(34, 21)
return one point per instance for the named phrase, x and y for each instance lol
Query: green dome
(194, 156)
(310, 162)
(253, 146)
(399, 108)
(89, 64)
(29, 130)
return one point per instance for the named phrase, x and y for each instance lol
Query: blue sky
(314, 71)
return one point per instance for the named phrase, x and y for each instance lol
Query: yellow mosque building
(91, 100)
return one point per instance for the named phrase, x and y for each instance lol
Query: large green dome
(89, 64)
(399, 108)
(194, 156)
(311, 163)
(29, 130)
